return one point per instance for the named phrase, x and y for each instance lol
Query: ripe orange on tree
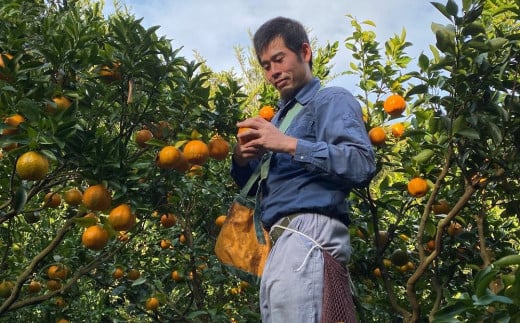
(32, 166)
(12, 121)
(400, 257)
(455, 228)
(394, 105)
(97, 198)
(95, 237)
(118, 273)
(377, 136)
(121, 218)
(176, 276)
(266, 112)
(165, 244)
(168, 157)
(6, 288)
(377, 272)
(219, 221)
(441, 207)
(218, 148)
(142, 136)
(62, 102)
(8, 56)
(182, 238)
(152, 304)
(73, 196)
(196, 152)
(168, 220)
(2, 65)
(110, 72)
(52, 199)
(58, 271)
(133, 274)
(34, 287)
(53, 284)
(397, 129)
(417, 187)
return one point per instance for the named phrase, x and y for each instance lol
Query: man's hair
(291, 31)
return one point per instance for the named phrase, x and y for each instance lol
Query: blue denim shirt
(333, 155)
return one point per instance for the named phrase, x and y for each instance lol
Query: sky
(214, 28)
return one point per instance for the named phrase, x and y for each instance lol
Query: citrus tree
(436, 233)
(114, 170)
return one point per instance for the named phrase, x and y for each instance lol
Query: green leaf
(424, 156)
(497, 43)
(496, 133)
(452, 8)
(424, 62)
(442, 9)
(469, 133)
(448, 313)
(19, 199)
(490, 298)
(507, 261)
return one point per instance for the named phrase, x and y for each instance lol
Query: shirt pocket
(303, 128)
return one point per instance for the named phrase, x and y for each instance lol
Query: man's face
(285, 70)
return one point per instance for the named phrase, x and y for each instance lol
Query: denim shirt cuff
(303, 151)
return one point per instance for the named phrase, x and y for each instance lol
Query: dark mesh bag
(338, 304)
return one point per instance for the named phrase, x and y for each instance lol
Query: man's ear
(306, 52)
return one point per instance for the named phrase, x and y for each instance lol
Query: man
(324, 153)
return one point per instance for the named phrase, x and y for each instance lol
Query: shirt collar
(304, 95)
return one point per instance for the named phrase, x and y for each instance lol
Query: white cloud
(213, 28)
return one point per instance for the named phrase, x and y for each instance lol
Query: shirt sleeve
(342, 150)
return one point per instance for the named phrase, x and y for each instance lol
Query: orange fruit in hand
(397, 129)
(97, 198)
(266, 112)
(417, 187)
(241, 130)
(95, 237)
(168, 157)
(394, 105)
(196, 152)
(32, 166)
(142, 136)
(73, 196)
(121, 218)
(152, 304)
(377, 136)
(218, 148)
(52, 199)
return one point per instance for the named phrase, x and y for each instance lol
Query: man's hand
(260, 137)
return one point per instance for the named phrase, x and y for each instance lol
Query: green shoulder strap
(261, 172)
